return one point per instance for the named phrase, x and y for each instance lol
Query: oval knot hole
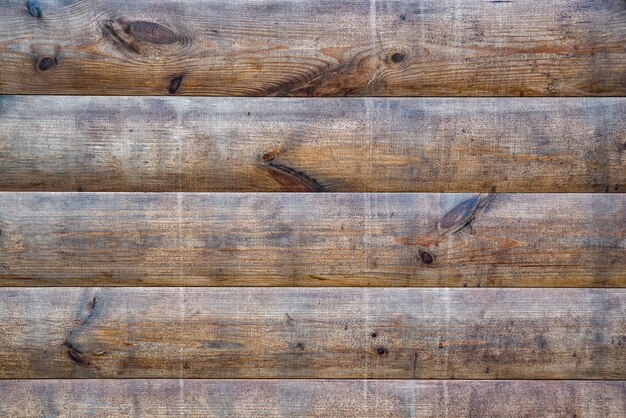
(459, 216)
(46, 63)
(427, 258)
(398, 57)
(152, 32)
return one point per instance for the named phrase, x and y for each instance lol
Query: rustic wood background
(149, 144)
(314, 48)
(460, 251)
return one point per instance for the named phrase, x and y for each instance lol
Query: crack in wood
(72, 350)
(292, 180)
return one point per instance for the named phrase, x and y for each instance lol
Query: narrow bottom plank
(326, 333)
(295, 398)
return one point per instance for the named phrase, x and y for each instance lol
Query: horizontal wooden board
(308, 239)
(314, 48)
(312, 333)
(343, 145)
(311, 398)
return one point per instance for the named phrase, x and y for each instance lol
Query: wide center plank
(200, 144)
(312, 333)
(314, 48)
(282, 239)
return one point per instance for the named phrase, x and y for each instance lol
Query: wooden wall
(437, 246)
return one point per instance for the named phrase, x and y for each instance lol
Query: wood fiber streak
(312, 398)
(312, 333)
(308, 239)
(132, 144)
(314, 48)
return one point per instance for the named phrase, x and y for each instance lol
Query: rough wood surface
(345, 145)
(314, 48)
(312, 333)
(308, 239)
(312, 398)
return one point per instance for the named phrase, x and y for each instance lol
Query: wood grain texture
(314, 48)
(312, 333)
(343, 145)
(308, 239)
(311, 398)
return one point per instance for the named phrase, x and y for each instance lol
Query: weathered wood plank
(312, 333)
(319, 398)
(308, 239)
(353, 145)
(314, 48)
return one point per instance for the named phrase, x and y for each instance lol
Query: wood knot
(137, 36)
(152, 32)
(382, 350)
(268, 156)
(397, 57)
(34, 9)
(427, 257)
(461, 215)
(175, 84)
(46, 63)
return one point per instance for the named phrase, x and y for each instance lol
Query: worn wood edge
(207, 144)
(354, 398)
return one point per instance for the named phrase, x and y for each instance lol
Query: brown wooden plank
(304, 398)
(353, 145)
(308, 239)
(312, 333)
(314, 48)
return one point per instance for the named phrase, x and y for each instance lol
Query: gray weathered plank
(345, 145)
(312, 333)
(314, 48)
(308, 239)
(318, 398)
